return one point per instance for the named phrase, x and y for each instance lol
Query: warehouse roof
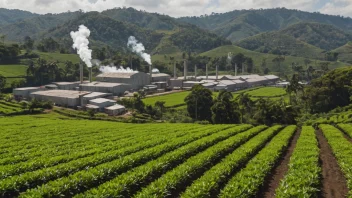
(257, 79)
(160, 75)
(115, 107)
(61, 93)
(97, 94)
(271, 77)
(27, 88)
(227, 82)
(66, 83)
(101, 100)
(117, 75)
(102, 84)
(238, 81)
(90, 106)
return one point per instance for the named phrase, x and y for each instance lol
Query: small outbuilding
(115, 110)
(23, 93)
(102, 103)
(94, 95)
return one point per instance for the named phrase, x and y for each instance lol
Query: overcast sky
(178, 8)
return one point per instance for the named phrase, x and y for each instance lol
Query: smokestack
(175, 70)
(242, 69)
(195, 71)
(151, 73)
(81, 72)
(185, 69)
(90, 74)
(217, 74)
(206, 71)
(236, 69)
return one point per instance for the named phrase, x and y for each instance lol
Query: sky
(177, 8)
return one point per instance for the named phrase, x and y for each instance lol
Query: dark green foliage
(9, 52)
(48, 45)
(280, 44)
(147, 20)
(224, 109)
(191, 38)
(199, 103)
(240, 24)
(2, 82)
(327, 37)
(330, 91)
(10, 16)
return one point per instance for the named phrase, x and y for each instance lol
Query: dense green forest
(239, 24)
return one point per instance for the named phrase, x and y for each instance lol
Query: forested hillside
(327, 37)
(280, 44)
(239, 24)
(12, 16)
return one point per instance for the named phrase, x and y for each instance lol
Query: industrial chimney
(81, 72)
(185, 69)
(206, 71)
(217, 74)
(175, 75)
(242, 68)
(90, 74)
(236, 69)
(195, 71)
(151, 73)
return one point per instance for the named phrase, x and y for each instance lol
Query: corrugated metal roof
(117, 75)
(227, 82)
(61, 93)
(90, 106)
(115, 107)
(26, 88)
(101, 100)
(96, 94)
(161, 75)
(102, 84)
(271, 77)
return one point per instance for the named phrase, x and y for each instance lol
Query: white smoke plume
(80, 42)
(114, 69)
(139, 49)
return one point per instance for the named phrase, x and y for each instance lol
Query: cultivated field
(177, 99)
(54, 156)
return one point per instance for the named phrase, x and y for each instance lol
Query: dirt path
(273, 180)
(333, 182)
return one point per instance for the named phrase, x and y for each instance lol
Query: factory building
(67, 85)
(258, 81)
(23, 93)
(115, 110)
(136, 79)
(160, 77)
(66, 98)
(105, 87)
(94, 95)
(102, 103)
(272, 79)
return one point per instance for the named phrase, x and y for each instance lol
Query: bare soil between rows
(333, 183)
(278, 173)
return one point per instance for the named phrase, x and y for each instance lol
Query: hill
(345, 53)
(240, 24)
(34, 26)
(147, 20)
(327, 37)
(259, 57)
(11, 16)
(280, 44)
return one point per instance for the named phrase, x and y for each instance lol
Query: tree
(249, 64)
(307, 62)
(2, 82)
(239, 59)
(294, 86)
(224, 111)
(2, 37)
(28, 43)
(245, 104)
(278, 60)
(199, 103)
(17, 83)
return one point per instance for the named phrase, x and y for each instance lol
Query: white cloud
(338, 7)
(178, 7)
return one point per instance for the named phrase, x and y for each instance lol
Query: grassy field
(345, 53)
(177, 99)
(258, 57)
(61, 58)
(13, 70)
